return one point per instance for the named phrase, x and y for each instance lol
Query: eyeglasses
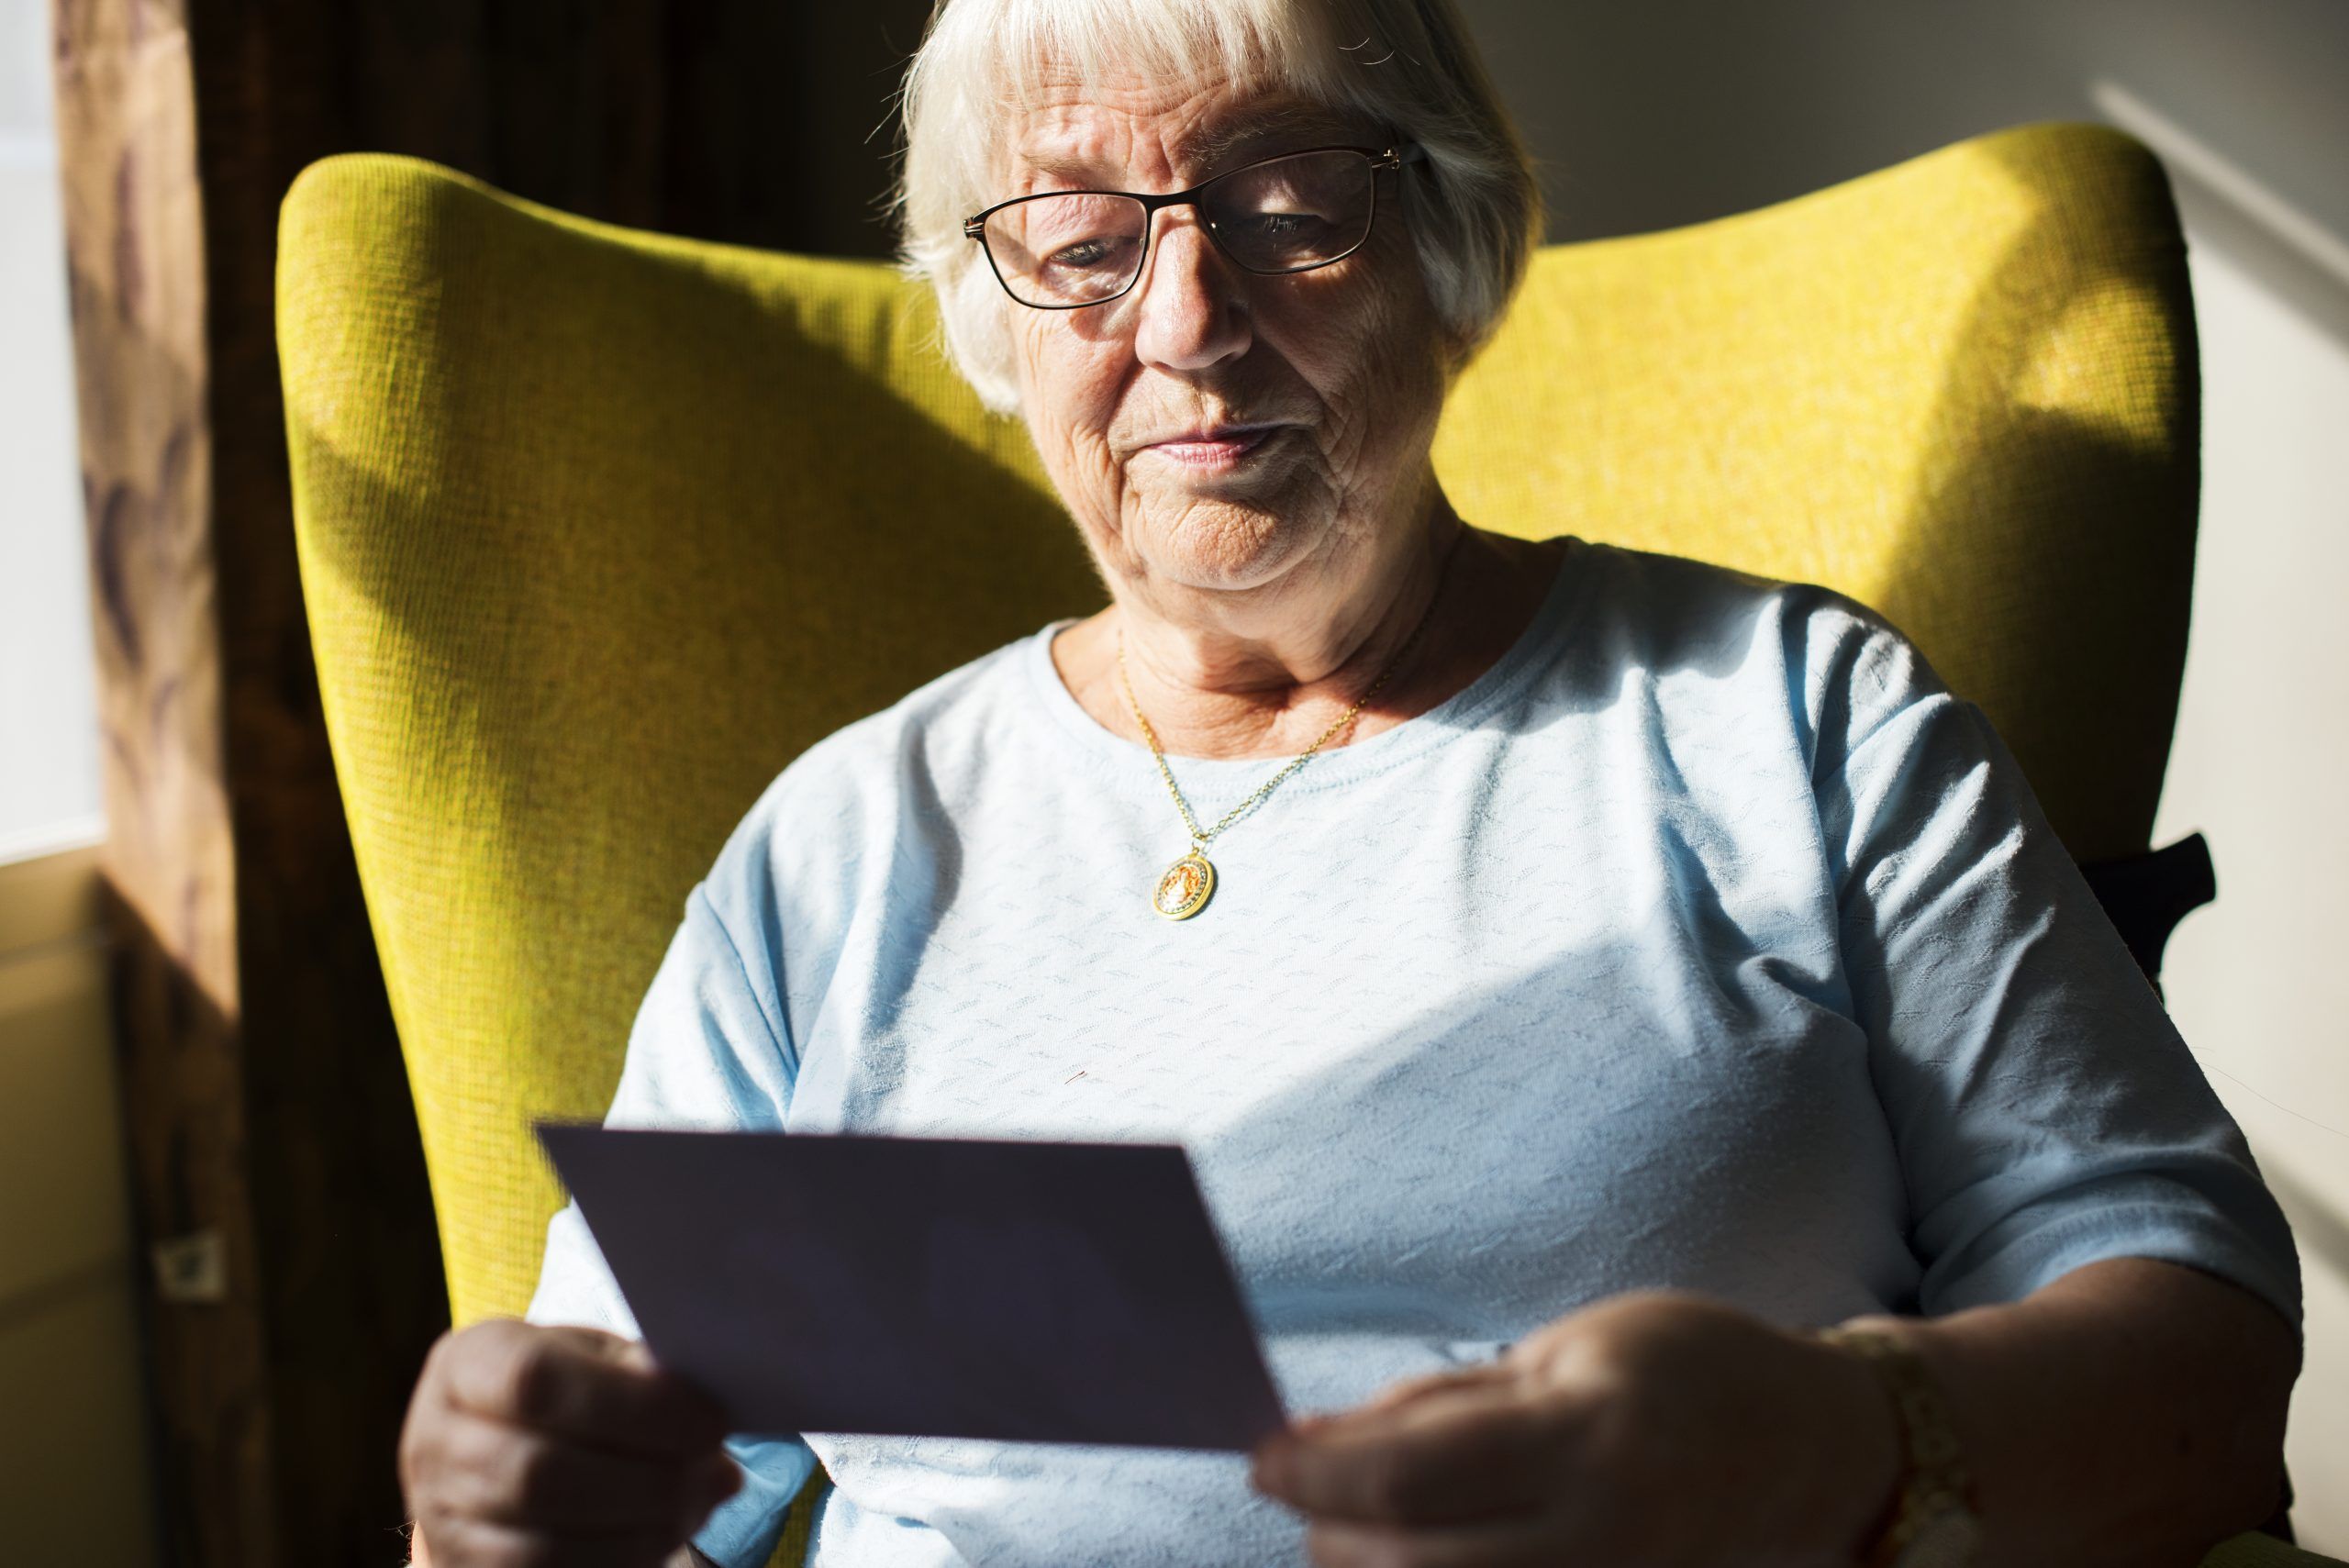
(1065, 249)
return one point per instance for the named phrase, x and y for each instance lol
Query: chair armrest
(2253, 1550)
(2146, 895)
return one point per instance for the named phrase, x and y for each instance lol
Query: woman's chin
(1226, 546)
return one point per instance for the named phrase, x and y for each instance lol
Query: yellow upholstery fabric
(600, 529)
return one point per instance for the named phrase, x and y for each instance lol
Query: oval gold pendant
(1183, 887)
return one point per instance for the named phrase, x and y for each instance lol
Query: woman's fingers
(1472, 1449)
(1483, 1374)
(512, 1475)
(526, 1443)
(484, 1543)
(595, 1387)
(1497, 1543)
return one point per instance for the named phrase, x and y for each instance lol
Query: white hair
(1472, 207)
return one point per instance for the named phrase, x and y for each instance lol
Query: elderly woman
(1577, 973)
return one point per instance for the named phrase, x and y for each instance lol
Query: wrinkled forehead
(1153, 132)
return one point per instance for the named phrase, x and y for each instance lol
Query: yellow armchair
(599, 529)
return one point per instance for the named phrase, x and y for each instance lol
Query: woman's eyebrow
(1212, 147)
(1209, 147)
(1062, 165)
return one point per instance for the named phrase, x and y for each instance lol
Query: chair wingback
(597, 530)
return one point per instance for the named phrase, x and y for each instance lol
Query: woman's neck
(1268, 684)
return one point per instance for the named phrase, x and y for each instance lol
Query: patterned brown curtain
(276, 1174)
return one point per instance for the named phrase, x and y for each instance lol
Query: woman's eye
(1084, 253)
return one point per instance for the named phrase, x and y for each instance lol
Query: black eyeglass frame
(1394, 157)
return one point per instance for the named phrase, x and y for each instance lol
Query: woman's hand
(527, 1444)
(1656, 1429)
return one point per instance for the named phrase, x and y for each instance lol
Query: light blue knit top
(1705, 941)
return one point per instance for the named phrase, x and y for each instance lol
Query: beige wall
(1674, 111)
(2263, 745)
(48, 680)
(74, 1446)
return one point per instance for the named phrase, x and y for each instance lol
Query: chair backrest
(600, 529)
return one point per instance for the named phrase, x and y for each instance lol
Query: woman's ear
(1456, 350)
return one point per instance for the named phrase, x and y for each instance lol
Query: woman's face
(1329, 381)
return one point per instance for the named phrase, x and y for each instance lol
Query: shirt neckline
(1215, 777)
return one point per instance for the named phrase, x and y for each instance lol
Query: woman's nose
(1192, 311)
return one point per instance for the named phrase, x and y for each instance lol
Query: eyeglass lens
(1284, 216)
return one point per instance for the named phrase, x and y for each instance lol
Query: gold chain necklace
(1185, 886)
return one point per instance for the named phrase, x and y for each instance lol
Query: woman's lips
(1226, 451)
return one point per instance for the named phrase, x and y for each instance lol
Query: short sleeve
(705, 1051)
(2045, 1112)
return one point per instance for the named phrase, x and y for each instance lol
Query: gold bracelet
(1936, 1520)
